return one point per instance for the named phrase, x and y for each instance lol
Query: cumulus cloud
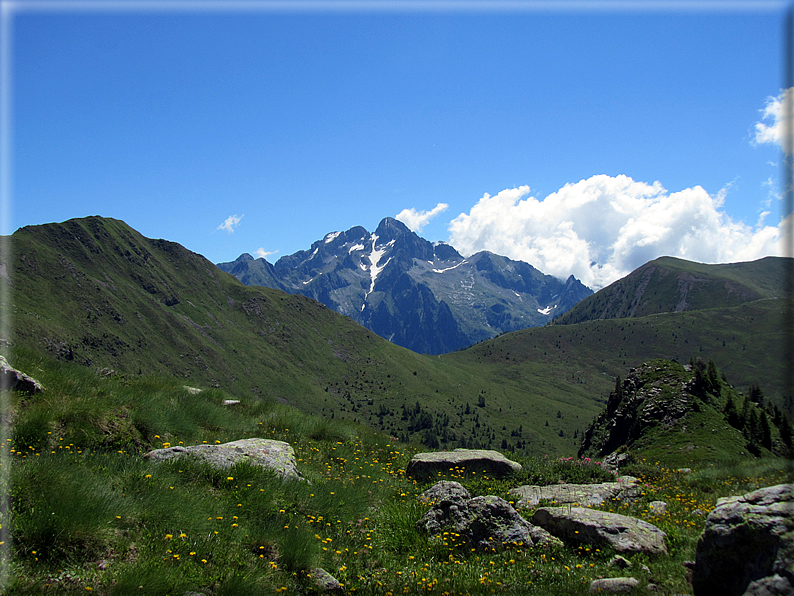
(776, 122)
(416, 220)
(602, 228)
(231, 222)
(261, 253)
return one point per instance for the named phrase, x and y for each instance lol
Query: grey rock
(747, 544)
(586, 495)
(326, 582)
(230, 402)
(619, 562)
(267, 453)
(614, 585)
(658, 507)
(11, 378)
(191, 390)
(773, 585)
(487, 522)
(444, 493)
(590, 526)
(424, 466)
(614, 461)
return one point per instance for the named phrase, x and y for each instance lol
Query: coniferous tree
(785, 431)
(732, 414)
(756, 395)
(713, 378)
(766, 431)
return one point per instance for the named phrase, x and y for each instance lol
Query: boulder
(587, 495)
(425, 466)
(445, 493)
(590, 526)
(614, 585)
(267, 453)
(487, 522)
(325, 582)
(11, 378)
(747, 546)
(614, 461)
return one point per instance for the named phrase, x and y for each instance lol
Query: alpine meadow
(144, 385)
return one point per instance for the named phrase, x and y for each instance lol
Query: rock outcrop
(747, 546)
(425, 466)
(11, 378)
(590, 526)
(586, 495)
(487, 522)
(267, 453)
(613, 585)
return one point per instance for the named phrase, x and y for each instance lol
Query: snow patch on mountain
(374, 258)
(330, 237)
(449, 268)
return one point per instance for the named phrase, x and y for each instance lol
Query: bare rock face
(425, 466)
(590, 526)
(747, 546)
(487, 522)
(587, 495)
(267, 453)
(11, 378)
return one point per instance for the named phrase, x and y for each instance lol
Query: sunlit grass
(90, 514)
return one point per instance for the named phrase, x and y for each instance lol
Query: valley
(141, 344)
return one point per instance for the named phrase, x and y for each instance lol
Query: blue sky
(290, 124)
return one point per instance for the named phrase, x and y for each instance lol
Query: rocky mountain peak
(420, 295)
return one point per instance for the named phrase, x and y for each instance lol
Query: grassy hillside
(747, 341)
(669, 284)
(685, 413)
(95, 292)
(89, 514)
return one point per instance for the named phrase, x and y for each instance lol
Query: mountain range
(420, 295)
(95, 292)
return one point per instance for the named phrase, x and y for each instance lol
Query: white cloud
(602, 228)
(776, 122)
(231, 222)
(261, 253)
(416, 220)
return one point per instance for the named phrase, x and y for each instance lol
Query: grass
(90, 514)
(95, 291)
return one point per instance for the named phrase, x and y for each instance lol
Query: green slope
(668, 284)
(96, 292)
(685, 415)
(747, 341)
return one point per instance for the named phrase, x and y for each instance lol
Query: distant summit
(419, 295)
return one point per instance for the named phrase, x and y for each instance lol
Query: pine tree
(766, 431)
(756, 395)
(785, 431)
(713, 378)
